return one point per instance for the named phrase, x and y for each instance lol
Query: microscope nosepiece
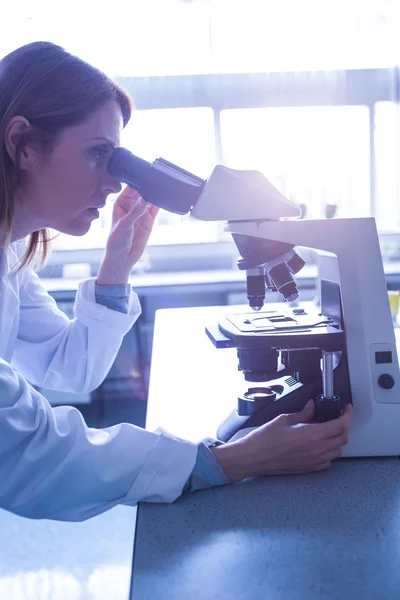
(295, 263)
(284, 282)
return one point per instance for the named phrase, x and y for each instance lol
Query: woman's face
(66, 187)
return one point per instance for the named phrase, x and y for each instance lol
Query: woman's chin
(80, 225)
(78, 229)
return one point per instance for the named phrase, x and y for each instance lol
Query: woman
(60, 118)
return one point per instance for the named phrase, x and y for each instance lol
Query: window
(387, 150)
(316, 156)
(302, 35)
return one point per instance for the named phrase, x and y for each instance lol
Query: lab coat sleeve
(53, 466)
(72, 355)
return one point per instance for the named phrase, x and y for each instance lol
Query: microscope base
(290, 403)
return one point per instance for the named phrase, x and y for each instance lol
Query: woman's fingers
(134, 214)
(153, 210)
(328, 457)
(331, 444)
(323, 466)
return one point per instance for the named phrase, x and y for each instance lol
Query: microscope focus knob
(386, 381)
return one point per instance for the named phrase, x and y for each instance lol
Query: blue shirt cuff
(207, 471)
(115, 297)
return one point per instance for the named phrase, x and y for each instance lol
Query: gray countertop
(155, 279)
(327, 536)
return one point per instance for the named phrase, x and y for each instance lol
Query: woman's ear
(16, 127)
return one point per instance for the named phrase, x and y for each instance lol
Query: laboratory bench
(333, 535)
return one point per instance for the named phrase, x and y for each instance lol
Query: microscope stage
(293, 329)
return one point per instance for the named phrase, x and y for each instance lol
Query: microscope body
(343, 352)
(353, 328)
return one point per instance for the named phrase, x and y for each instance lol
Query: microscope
(342, 351)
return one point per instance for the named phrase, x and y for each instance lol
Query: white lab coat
(51, 464)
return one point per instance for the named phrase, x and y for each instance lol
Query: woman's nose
(112, 185)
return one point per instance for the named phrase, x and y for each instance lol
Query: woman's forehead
(106, 122)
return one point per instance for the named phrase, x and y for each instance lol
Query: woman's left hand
(132, 222)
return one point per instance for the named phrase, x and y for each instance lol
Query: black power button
(386, 381)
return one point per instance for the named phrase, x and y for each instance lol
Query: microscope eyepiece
(129, 169)
(161, 182)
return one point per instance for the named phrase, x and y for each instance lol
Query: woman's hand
(132, 222)
(286, 445)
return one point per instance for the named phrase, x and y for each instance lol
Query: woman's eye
(100, 152)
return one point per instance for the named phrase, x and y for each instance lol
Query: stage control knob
(386, 381)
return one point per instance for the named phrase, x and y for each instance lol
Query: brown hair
(53, 90)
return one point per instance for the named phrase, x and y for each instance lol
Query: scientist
(60, 119)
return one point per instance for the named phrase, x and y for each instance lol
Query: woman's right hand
(288, 444)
